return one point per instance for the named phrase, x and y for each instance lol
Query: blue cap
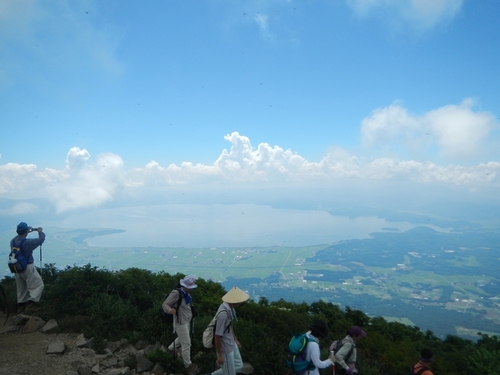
(22, 226)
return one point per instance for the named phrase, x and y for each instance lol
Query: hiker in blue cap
(29, 283)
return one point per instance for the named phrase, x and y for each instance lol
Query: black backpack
(335, 347)
(17, 261)
(169, 318)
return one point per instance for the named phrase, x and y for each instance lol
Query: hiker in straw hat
(226, 344)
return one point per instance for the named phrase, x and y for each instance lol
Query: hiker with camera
(346, 355)
(29, 283)
(178, 304)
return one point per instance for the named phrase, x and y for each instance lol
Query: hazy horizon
(171, 117)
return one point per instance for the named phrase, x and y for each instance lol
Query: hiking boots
(20, 308)
(31, 307)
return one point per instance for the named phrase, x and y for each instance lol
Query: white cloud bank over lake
(406, 162)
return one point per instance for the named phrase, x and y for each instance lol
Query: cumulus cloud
(460, 132)
(82, 184)
(16, 178)
(421, 14)
(455, 132)
(244, 163)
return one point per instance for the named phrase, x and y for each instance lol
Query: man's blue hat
(22, 226)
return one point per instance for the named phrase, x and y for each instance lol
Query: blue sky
(106, 105)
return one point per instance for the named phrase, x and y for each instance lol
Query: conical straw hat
(235, 295)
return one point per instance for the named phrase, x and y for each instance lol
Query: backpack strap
(179, 300)
(20, 245)
(311, 364)
(178, 304)
(349, 353)
(230, 320)
(346, 358)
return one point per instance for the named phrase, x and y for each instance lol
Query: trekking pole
(40, 257)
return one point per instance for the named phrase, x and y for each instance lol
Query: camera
(31, 229)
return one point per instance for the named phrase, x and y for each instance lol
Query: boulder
(33, 324)
(56, 347)
(50, 327)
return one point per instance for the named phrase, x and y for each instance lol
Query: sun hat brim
(235, 295)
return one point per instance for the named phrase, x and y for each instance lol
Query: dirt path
(26, 353)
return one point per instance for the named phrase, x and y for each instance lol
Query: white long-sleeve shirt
(312, 354)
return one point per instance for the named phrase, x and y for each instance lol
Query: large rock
(21, 319)
(9, 328)
(56, 347)
(246, 369)
(83, 342)
(84, 370)
(143, 364)
(113, 346)
(141, 344)
(33, 324)
(158, 370)
(50, 327)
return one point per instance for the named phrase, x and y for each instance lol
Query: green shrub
(110, 305)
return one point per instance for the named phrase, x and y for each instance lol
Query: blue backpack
(17, 261)
(296, 355)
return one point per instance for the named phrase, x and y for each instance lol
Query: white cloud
(76, 158)
(421, 14)
(264, 164)
(21, 208)
(455, 132)
(16, 178)
(460, 131)
(83, 185)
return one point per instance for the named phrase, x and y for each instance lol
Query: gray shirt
(224, 328)
(184, 313)
(342, 358)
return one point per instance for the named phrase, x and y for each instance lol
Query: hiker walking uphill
(178, 304)
(29, 283)
(423, 367)
(346, 356)
(226, 343)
